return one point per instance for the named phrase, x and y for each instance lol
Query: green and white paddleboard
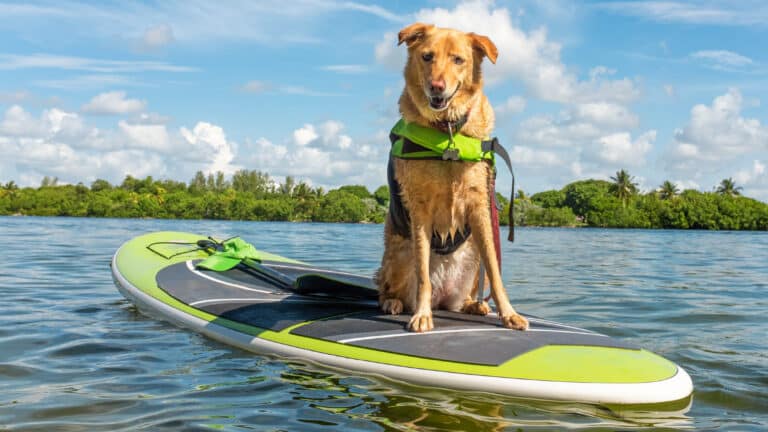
(269, 304)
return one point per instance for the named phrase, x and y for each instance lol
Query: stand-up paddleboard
(274, 305)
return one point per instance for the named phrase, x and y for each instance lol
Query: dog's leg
(472, 305)
(482, 234)
(421, 320)
(392, 278)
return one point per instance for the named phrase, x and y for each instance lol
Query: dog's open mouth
(438, 103)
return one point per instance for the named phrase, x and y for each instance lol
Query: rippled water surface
(75, 355)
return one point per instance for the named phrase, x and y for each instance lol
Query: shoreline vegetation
(253, 195)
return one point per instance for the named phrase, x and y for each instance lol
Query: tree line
(254, 195)
(619, 204)
(247, 195)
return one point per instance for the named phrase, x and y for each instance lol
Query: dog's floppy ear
(485, 46)
(413, 33)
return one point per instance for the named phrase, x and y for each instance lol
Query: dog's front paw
(421, 322)
(392, 306)
(514, 321)
(473, 307)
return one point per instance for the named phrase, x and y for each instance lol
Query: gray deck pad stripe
(456, 337)
(242, 296)
(463, 330)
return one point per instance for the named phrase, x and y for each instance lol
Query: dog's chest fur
(442, 193)
(445, 194)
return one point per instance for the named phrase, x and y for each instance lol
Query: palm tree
(728, 187)
(302, 191)
(668, 190)
(623, 186)
(522, 196)
(287, 187)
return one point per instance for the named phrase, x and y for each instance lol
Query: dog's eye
(458, 60)
(427, 57)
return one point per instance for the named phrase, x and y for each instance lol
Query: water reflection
(404, 407)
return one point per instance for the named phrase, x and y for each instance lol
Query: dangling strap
(495, 146)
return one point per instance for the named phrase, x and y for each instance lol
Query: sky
(667, 90)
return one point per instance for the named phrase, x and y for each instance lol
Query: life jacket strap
(493, 145)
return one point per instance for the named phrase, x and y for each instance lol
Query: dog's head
(443, 67)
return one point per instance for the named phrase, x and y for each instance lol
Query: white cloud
(62, 122)
(266, 156)
(59, 143)
(686, 184)
(721, 59)
(719, 132)
(17, 122)
(327, 134)
(346, 68)
(192, 22)
(210, 141)
(669, 90)
(620, 149)
(113, 103)
(13, 97)
(50, 61)
(323, 154)
(527, 56)
(157, 36)
(513, 105)
(331, 129)
(748, 176)
(546, 131)
(303, 91)
(718, 12)
(389, 54)
(147, 136)
(331, 135)
(255, 86)
(81, 82)
(754, 180)
(304, 135)
(591, 139)
(606, 114)
(534, 158)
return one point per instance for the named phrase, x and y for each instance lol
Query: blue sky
(667, 90)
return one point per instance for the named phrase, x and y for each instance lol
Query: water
(76, 356)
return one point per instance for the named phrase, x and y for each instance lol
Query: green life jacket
(413, 141)
(435, 144)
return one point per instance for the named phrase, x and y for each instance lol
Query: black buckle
(489, 145)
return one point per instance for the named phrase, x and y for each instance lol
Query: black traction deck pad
(245, 296)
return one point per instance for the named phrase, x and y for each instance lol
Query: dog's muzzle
(440, 102)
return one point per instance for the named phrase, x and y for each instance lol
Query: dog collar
(451, 127)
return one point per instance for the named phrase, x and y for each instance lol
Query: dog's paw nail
(420, 323)
(392, 306)
(516, 322)
(477, 308)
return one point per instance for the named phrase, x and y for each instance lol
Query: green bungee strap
(228, 254)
